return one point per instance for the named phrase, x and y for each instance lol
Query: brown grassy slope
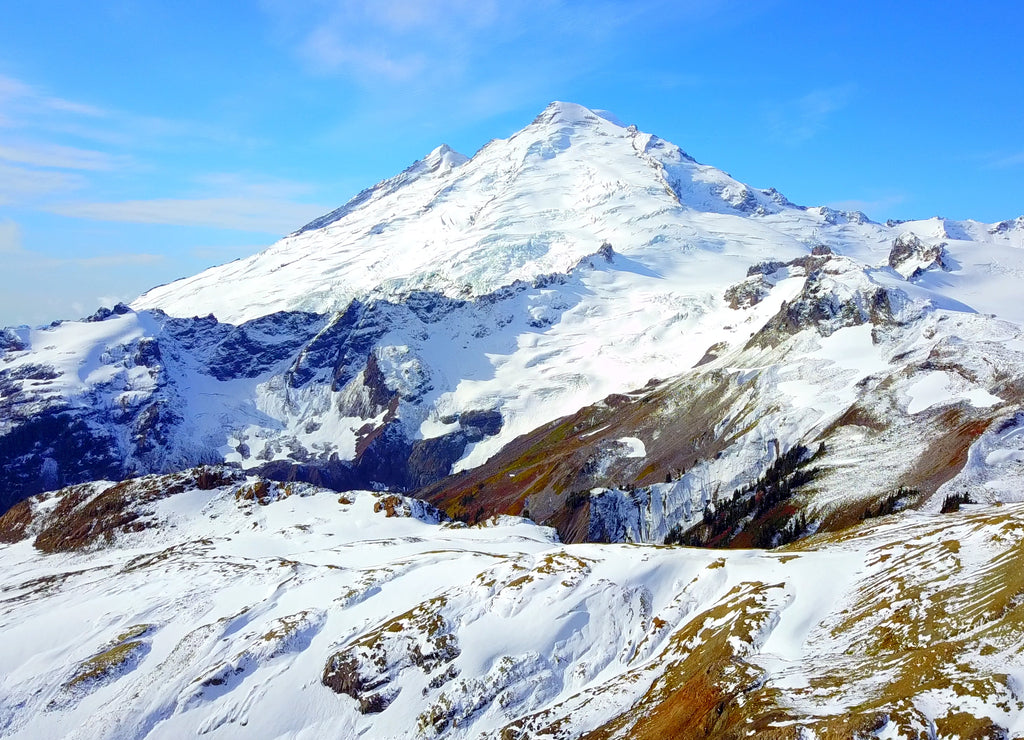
(551, 462)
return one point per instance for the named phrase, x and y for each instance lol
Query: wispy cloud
(23, 184)
(239, 213)
(439, 55)
(74, 286)
(224, 200)
(15, 254)
(871, 207)
(114, 260)
(252, 185)
(41, 116)
(389, 40)
(10, 237)
(1003, 162)
(60, 157)
(799, 119)
(40, 167)
(24, 98)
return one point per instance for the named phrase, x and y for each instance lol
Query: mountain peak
(529, 205)
(443, 158)
(567, 113)
(440, 161)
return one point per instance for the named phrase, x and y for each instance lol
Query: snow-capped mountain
(580, 326)
(521, 208)
(693, 329)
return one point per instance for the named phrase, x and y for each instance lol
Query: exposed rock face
(14, 524)
(53, 434)
(53, 448)
(103, 313)
(369, 670)
(836, 294)
(911, 257)
(10, 341)
(87, 516)
(1009, 225)
(748, 293)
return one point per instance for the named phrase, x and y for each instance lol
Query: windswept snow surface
(221, 619)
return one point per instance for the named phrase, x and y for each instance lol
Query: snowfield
(224, 616)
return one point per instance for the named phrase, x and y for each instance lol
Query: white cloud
(38, 167)
(71, 283)
(441, 44)
(252, 186)
(393, 40)
(329, 52)
(71, 286)
(871, 207)
(21, 184)
(31, 110)
(60, 157)
(22, 97)
(15, 254)
(1007, 161)
(115, 260)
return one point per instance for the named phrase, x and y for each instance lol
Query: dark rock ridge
(121, 427)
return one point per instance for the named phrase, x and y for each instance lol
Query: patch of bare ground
(15, 522)
(83, 519)
(954, 431)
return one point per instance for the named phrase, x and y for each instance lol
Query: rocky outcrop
(911, 257)
(53, 448)
(368, 671)
(836, 294)
(92, 515)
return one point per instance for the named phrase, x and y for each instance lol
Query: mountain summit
(525, 206)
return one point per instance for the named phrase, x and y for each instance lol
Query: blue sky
(144, 141)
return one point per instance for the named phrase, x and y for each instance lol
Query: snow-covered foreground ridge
(213, 604)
